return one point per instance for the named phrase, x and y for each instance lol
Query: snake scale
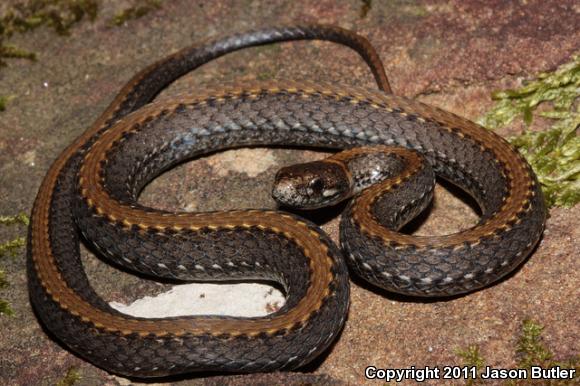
(93, 186)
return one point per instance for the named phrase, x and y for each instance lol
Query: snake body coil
(95, 182)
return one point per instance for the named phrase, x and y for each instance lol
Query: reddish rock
(450, 54)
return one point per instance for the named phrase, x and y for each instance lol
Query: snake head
(312, 185)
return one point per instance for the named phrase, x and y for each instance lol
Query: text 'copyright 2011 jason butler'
(421, 374)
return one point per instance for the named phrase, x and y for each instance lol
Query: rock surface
(449, 54)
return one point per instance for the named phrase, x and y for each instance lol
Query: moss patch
(8, 51)
(20, 218)
(472, 358)
(71, 377)
(554, 154)
(4, 100)
(10, 248)
(58, 15)
(140, 9)
(530, 351)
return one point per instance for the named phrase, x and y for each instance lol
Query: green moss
(5, 308)
(20, 218)
(530, 351)
(8, 51)
(21, 17)
(4, 100)
(10, 248)
(471, 358)
(555, 157)
(3, 281)
(59, 15)
(142, 8)
(554, 154)
(71, 377)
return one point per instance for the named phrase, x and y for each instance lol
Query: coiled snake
(94, 184)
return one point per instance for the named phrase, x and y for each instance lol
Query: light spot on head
(329, 192)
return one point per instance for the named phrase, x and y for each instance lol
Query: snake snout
(285, 192)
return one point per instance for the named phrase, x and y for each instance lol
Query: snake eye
(316, 184)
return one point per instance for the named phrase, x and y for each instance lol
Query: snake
(393, 149)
